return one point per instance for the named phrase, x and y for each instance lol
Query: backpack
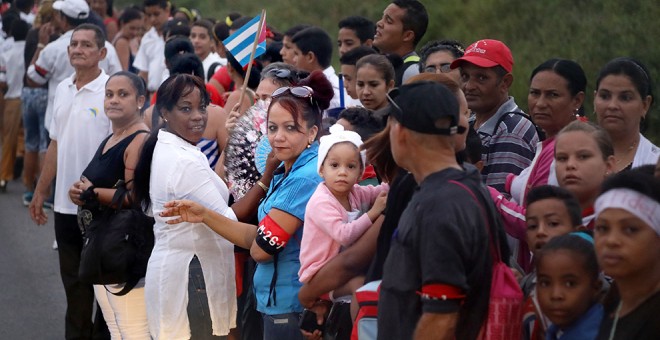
(409, 61)
(505, 305)
(365, 326)
(117, 245)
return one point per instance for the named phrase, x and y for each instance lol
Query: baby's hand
(379, 203)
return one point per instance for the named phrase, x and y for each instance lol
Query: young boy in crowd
(355, 31)
(551, 211)
(313, 51)
(349, 72)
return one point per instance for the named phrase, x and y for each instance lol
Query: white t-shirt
(6, 43)
(181, 171)
(53, 66)
(79, 126)
(27, 17)
(210, 60)
(334, 80)
(12, 69)
(150, 58)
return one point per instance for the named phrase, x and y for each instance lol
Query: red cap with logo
(486, 53)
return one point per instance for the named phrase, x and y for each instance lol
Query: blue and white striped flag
(240, 43)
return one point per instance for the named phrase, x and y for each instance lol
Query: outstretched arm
(238, 233)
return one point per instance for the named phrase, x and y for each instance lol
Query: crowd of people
(390, 200)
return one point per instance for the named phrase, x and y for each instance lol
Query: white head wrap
(338, 135)
(638, 204)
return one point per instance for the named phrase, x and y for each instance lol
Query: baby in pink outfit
(340, 210)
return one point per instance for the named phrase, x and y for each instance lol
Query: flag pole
(254, 49)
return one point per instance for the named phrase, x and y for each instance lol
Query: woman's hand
(230, 123)
(184, 210)
(321, 308)
(76, 190)
(272, 163)
(85, 183)
(45, 31)
(74, 193)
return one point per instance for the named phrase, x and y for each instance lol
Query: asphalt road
(32, 302)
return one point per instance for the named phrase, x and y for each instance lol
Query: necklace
(118, 136)
(630, 148)
(616, 320)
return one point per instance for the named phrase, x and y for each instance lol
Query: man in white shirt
(201, 36)
(150, 57)
(50, 63)
(78, 127)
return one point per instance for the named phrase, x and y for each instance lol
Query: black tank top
(105, 169)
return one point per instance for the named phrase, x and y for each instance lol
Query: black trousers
(79, 296)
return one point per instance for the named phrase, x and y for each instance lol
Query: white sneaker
(55, 245)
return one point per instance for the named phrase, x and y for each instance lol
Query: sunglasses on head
(296, 91)
(281, 73)
(299, 92)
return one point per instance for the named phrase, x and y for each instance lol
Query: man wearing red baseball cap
(507, 134)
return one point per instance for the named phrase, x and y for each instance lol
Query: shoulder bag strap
(493, 238)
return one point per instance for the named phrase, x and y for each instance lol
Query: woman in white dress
(172, 167)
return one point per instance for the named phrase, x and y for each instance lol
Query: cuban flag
(240, 43)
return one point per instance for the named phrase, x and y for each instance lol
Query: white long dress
(180, 171)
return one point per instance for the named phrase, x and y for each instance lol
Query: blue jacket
(290, 194)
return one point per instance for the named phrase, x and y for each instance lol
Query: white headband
(640, 205)
(338, 135)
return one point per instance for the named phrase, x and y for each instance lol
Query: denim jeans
(201, 326)
(282, 327)
(34, 102)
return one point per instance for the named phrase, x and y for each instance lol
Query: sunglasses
(296, 91)
(299, 92)
(442, 68)
(280, 73)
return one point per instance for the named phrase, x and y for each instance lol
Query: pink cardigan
(513, 211)
(325, 228)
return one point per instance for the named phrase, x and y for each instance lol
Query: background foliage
(588, 31)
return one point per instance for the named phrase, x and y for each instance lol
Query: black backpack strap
(503, 117)
(211, 71)
(128, 286)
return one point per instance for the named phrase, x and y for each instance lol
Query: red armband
(438, 291)
(271, 237)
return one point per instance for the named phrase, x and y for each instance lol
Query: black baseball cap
(418, 106)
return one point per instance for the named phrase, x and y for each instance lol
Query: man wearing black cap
(436, 278)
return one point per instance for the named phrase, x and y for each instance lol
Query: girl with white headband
(627, 240)
(340, 210)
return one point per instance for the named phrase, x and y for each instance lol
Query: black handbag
(117, 246)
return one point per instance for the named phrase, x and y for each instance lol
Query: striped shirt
(508, 147)
(209, 147)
